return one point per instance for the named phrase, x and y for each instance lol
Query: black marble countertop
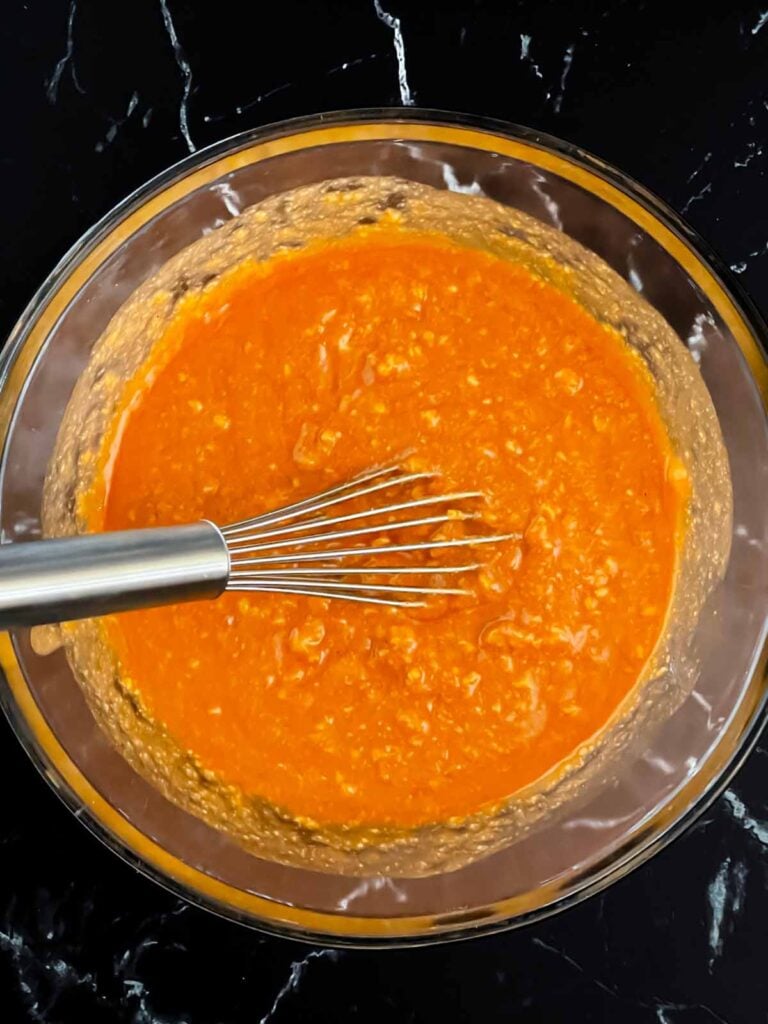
(97, 97)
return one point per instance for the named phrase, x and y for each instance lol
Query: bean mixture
(285, 377)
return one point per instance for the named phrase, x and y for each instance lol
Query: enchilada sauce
(283, 378)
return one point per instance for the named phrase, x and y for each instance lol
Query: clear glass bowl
(650, 795)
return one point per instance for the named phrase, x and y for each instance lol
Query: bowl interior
(647, 791)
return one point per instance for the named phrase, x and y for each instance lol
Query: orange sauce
(286, 377)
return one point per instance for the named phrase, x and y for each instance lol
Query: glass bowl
(650, 795)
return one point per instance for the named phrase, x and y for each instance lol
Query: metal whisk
(297, 549)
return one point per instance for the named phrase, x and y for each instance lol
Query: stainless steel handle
(95, 574)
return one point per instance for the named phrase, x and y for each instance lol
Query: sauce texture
(283, 378)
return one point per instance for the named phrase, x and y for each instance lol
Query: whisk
(297, 549)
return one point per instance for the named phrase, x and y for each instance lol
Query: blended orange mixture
(285, 377)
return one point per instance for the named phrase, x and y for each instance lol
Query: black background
(675, 95)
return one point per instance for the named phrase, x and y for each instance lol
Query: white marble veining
(696, 197)
(754, 150)
(567, 62)
(525, 55)
(716, 896)
(406, 97)
(52, 90)
(295, 976)
(725, 897)
(347, 64)
(186, 74)
(699, 168)
(128, 968)
(243, 108)
(569, 960)
(661, 1007)
(754, 826)
(760, 23)
(742, 265)
(28, 963)
(116, 123)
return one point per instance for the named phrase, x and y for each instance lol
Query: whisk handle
(77, 577)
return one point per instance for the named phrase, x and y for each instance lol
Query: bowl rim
(27, 721)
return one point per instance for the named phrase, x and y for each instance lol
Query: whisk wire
(295, 549)
(368, 570)
(427, 545)
(311, 547)
(326, 499)
(319, 538)
(233, 532)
